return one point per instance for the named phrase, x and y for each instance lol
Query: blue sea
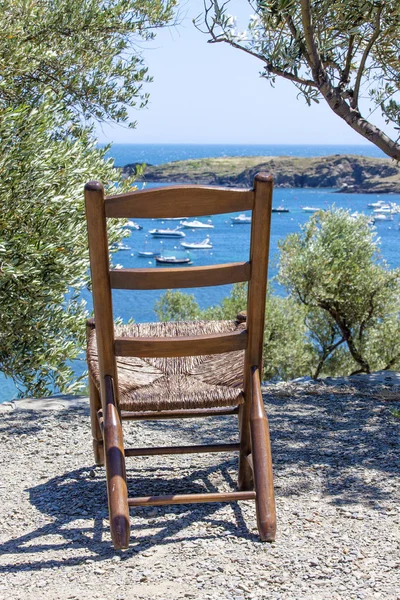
(230, 242)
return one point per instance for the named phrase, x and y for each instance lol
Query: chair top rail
(169, 347)
(178, 201)
(189, 277)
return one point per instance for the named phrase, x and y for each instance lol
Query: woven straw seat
(192, 382)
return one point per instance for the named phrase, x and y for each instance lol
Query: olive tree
(177, 306)
(43, 244)
(334, 50)
(287, 350)
(332, 268)
(63, 65)
(88, 53)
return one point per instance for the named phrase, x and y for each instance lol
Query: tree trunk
(325, 355)
(347, 336)
(333, 95)
(358, 123)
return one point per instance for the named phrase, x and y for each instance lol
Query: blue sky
(211, 93)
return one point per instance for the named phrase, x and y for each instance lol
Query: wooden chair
(179, 370)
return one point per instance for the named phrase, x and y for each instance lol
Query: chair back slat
(188, 277)
(215, 343)
(178, 201)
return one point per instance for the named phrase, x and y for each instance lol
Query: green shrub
(332, 268)
(43, 244)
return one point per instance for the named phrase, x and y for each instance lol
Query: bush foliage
(333, 269)
(63, 65)
(43, 247)
(342, 312)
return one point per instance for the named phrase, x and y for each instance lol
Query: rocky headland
(347, 173)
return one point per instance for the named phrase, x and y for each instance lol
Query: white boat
(174, 260)
(357, 215)
(120, 246)
(167, 233)
(204, 245)
(241, 219)
(147, 254)
(310, 209)
(384, 206)
(133, 225)
(376, 204)
(383, 217)
(196, 225)
(386, 209)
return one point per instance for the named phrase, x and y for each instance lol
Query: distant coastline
(347, 173)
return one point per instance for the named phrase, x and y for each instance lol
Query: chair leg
(115, 469)
(245, 475)
(262, 463)
(95, 405)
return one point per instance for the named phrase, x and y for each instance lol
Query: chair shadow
(64, 497)
(335, 434)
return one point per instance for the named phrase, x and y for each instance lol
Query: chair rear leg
(97, 436)
(245, 475)
(262, 463)
(115, 470)
(95, 405)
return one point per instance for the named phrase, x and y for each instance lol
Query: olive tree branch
(374, 37)
(295, 34)
(344, 78)
(332, 95)
(313, 57)
(269, 67)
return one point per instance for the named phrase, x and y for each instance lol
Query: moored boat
(280, 209)
(310, 209)
(167, 233)
(357, 215)
(204, 245)
(383, 217)
(376, 204)
(241, 219)
(174, 260)
(196, 224)
(386, 209)
(147, 254)
(120, 246)
(132, 225)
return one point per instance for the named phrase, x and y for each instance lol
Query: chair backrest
(178, 201)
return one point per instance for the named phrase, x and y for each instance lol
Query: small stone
(116, 558)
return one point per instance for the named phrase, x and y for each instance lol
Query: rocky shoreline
(337, 490)
(350, 174)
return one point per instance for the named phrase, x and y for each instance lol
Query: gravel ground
(337, 488)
